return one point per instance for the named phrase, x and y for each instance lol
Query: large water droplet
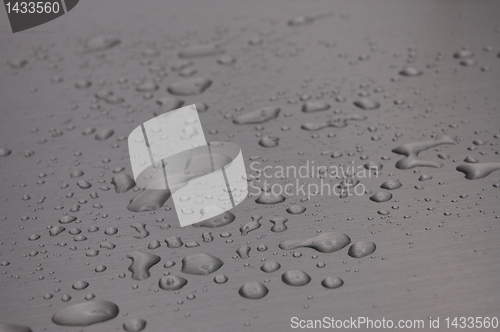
(411, 151)
(381, 196)
(134, 325)
(253, 290)
(141, 229)
(278, 224)
(14, 328)
(270, 198)
(172, 282)
(326, 242)
(141, 263)
(251, 226)
(201, 264)
(4, 152)
(270, 267)
(315, 106)
(218, 221)
(269, 142)
(123, 183)
(391, 184)
(87, 313)
(367, 104)
(295, 209)
(410, 72)
(332, 282)
(295, 278)
(190, 86)
(244, 252)
(148, 200)
(104, 134)
(196, 51)
(478, 170)
(79, 285)
(260, 116)
(101, 43)
(361, 249)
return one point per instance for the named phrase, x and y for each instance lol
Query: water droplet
(155, 244)
(315, 106)
(107, 245)
(101, 43)
(196, 51)
(381, 196)
(424, 177)
(410, 72)
(168, 104)
(84, 184)
(270, 198)
(123, 183)
(253, 290)
(67, 219)
(174, 242)
(411, 151)
(34, 237)
(295, 278)
(87, 313)
(367, 104)
(463, 54)
(295, 209)
(332, 282)
(172, 282)
(111, 230)
(76, 174)
(83, 84)
(226, 60)
(391, 184)
(4, 152)
(270, 267)
(251, 226)
(478, 170)
(56, 230)
(5, 327)
(244, 251)
(326, 242)
(148, 200)
(104, 134)
(259, 116)
(88, 131)
(147, 86)
(141, 263)
(278, 224)
(18, 63)
(207, 237)
(269, 142)
(361, 249)
(218, 221)
(79, 285)
(141, 229)
(200, 264)
(100, 268)
(220, 279)
(134, 325)
(190, 86)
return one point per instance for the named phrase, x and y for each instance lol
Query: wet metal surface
(399, 98)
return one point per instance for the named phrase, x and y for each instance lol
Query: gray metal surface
(437, 252)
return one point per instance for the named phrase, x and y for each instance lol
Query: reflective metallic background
(376, 75)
